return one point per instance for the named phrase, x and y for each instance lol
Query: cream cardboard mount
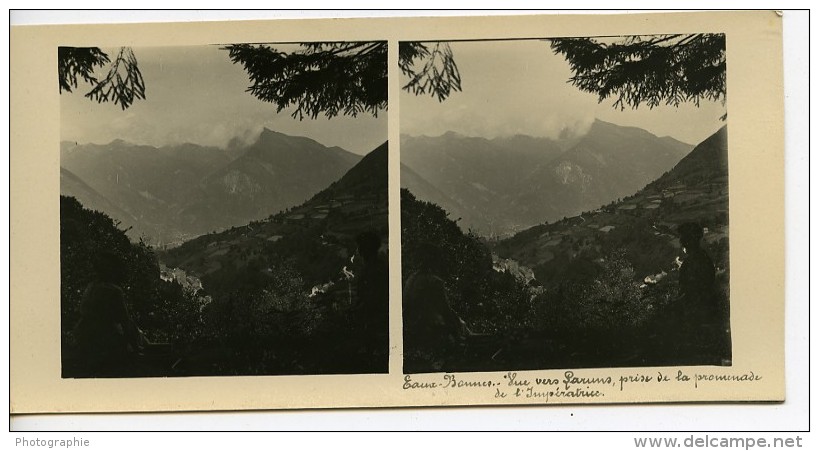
(755, 162)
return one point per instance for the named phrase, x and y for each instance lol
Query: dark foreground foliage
(591, 314)
(262, 322)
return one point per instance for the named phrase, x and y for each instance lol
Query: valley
(318, 236)
(549, 247)
(599, 288)
(175, 193)
(501, 186)
(643, 224)
(269, 295)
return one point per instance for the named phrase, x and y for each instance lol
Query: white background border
(792, 415)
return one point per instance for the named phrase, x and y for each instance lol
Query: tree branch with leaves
(319, 78)
(670, 69)
(438, 76)
(328, 78)
(122, 85)
(347, 78)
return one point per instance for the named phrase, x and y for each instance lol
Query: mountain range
(316, 237)
(172, 193)
(495, 187)
(643, 225)
(504, 185)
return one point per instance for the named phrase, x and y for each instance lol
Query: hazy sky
(195, 94)
(520, 87)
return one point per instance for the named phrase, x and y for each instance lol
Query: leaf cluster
(328, 78)
(670, 69)
(74, 62)
(122, 85)
(438, 76)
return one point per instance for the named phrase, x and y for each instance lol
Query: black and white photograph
(373, 217)
(564, 203)
(223, 210)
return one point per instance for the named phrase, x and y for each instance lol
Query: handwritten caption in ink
(570, 385)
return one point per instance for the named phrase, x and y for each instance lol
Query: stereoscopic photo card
(396, 212)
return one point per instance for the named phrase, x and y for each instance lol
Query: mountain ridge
(643, 225)
(317, 234)
(184, 190)
(507, 184)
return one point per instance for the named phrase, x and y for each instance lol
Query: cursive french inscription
(570, 385)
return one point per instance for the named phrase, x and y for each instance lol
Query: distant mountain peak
(268, 133)
(267, 136)
(511, 182)
(271, 142)
(120, 142)
(185, 190)
(600, 125)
